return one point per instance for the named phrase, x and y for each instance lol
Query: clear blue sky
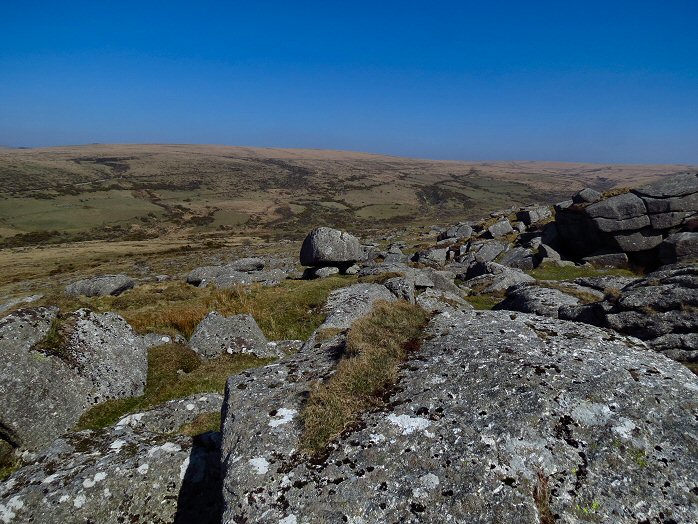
(606, 81)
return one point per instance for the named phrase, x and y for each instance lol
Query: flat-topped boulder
(325, 246)
(101, 285)
(217, 334)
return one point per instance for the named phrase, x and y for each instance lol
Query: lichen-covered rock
(538, 299)
(401, 287)
(500, 229)
(496, 277)
(662, 303)
(433, 257)
(231, 274)
(499, 418)
(673, 186)
(457, 231)
(437, 301)
(347, 304)
(42, 395)
(520, 258)
(606, 259)
(118, 475)
(587, 196)
(325, 246)
(320, 272)
(100, 286)
(216, 335)
(108, 353)
(171, 416)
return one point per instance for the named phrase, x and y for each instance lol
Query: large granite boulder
(494, 277)
(51, 372)
(541, 300)
(217, 334)
(500, 229)
(100, 286)
(498, 418)
(325, 246)
(241, 272)
(345, 305)
(533, 214)
(457, 231)
(42, 395)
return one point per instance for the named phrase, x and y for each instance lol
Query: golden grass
(290, 310)
(376, 345)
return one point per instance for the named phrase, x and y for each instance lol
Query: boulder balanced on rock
(325, 246)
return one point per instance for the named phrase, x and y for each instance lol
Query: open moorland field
(71, 209)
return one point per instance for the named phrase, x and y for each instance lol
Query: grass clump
(554, 272)
(483, 302)
(174, 371)
(376, 345)
(202, 424)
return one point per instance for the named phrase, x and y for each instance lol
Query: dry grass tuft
(541, 497)
(376, 345)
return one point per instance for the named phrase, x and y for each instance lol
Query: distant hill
(140, 191)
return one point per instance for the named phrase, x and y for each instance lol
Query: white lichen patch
(7, 511)
(591, 413)
(167, 447)
(80, 500)
(50, 478)
(409, 424)
(190, 407)
(183, 468)
(129, 420)
(117, 445)
(260, 465)
(291, 519)
(143, 469)
(282, 416)
(624, 429)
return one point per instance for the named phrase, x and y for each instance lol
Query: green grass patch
(8, 460)
(202, 424)
(376, 345)
(174, 371)
(483, 302)
(554, 272)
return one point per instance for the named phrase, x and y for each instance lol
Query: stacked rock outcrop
(653, 224)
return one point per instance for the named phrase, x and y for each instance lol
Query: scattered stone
(217, 334)
(538, 299)
(402, 288)
(99, 286)
(438, 301)
(497, 277)
(500, 229)
(434, 256)
(459, 231)
(532, 215)
(347, 304)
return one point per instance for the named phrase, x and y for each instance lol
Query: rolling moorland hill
(147, 191)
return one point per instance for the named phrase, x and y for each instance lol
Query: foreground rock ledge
(496, 406)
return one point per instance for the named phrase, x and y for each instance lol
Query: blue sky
(612, 81)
